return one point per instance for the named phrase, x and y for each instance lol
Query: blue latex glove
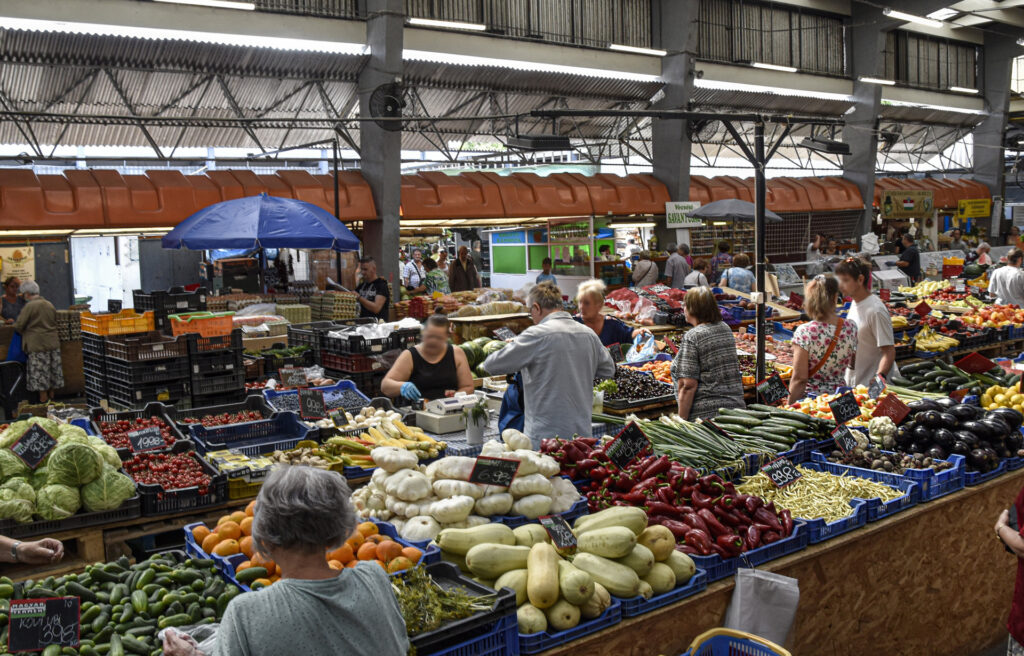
(891, 263)
(411, 392)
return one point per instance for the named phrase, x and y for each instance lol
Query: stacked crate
(216, 369)
(294, 313)
(350, 356)
(332, 306)
(132, 370)
(69, 325)
(173, 301)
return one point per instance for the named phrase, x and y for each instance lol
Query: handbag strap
(828, 351)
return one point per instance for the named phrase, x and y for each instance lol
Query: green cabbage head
(40, 477)
(14, 507)
(108, 491)
(70, 433)
(109, 455)
(74, 464)
(57, 501)
(21, 489)
(15, 430)
(11, 465)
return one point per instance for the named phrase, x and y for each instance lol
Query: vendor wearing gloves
(433, 369)
(559, 359)
(876, 347)
(1007, 283)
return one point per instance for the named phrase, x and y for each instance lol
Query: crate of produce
(403, 338)
(638, 605)
(877, 509)
(173, 301)
(972, 478)
(342, 394)
(146, 347)
(132, 396)
(216, 362)
(224, 383)
(534, 643)
(819, 530)
(349, 363)
(201, 344)
(114, 426)
(716, 568)
(207, 324)
(140, 373)
(160, 500)
(931, 484)
(282, 431)
(726, 642)
(253, 408)
(130, 509)
(354, 344)
(253, 367)
(292, 356)
(120, 323)
(367, 382)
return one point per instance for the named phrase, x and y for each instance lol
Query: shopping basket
(726, 642)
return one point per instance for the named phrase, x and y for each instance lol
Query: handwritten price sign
(38, 623)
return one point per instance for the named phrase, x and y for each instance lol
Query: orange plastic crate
(207, 324)
(122, 323)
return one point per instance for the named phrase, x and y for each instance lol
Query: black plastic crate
(254, 402)
(173, 301)
(355, 344)
(146, 347)
(403, 338)
(216, 362)
(349, 363)
(95, 384)
(272, 363)
(94, 345)
(156, 500)
(368, 383)
(133, 396)
(135, 373)
(130, 509)
(199, 344)
(98, 416)
(224, 398)
(218, 383)
(311, 333)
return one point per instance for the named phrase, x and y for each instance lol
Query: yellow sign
(974, 208)
(19, 262)
(901, 204)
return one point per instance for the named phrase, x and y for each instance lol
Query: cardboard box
(257, 344)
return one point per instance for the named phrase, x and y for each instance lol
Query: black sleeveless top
(433, 380)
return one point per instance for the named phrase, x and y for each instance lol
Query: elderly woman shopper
(12, 302)
(983, 253)
(37, 324)
(590, 299)
(737, 276)
(706, 370)
(824, 347)
(301, 514)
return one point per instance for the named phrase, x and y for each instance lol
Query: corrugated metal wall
(923, 61)
(325, 8)
(731, 31)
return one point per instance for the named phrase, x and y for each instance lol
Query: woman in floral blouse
(824, 347)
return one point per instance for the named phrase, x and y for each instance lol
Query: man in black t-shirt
(373, 291)
(910, 259)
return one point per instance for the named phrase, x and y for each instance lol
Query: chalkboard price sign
(38, 623)
(293, 377)
(893, 408)
(844, 408)
(772, 390)
(311, 404)
(338, 417)
(782, 472)
(494, 471)
(559, 532)
(33, 445)
(504, 333)
(627, 445)
(147, 439)
(844, 438)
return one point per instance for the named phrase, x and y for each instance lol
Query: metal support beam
(230, 97)
(381, 148)
(131, 110)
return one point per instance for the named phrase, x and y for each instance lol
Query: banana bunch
(899, 322)
(929, 340)
(926, 287)
(393, 432)
(981, 282)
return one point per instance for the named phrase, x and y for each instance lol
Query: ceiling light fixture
(939, 108)
(638, 50)
(447, 25)
(912, 18)
(943, 14)
(963, 90)
(520, 65)
(220, 38)
(823, 145)
(1020, 41)
(220, 4)
(774, 67)
(876, 80)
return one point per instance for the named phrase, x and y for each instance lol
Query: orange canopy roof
(947, 192)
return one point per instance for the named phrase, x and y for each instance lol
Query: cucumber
(139, 601)
(75, 590)
(736, 412)
(739, 419)
(785, 423)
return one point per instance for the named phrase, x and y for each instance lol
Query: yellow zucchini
(531, 619)
(597, 604)
(563, 616)
(609, 542)
(515, 580)
(682, 566)
(635, 519)
(461, 540)
(542, 575)
(490, 561)
(659, 540)
(640, 560)
(576, 585)
(646, 591)
(661, 578)
(620, 580)
(528, 535)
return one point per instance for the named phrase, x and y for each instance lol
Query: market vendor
(590, 299)
(559, 360)
(876, 347)
(13, 300)
(373, 291)
(1007, 283)
(433, 369)
(910, 260)
(33, 552)
(706, 370)
(956, 242)
(314, 610)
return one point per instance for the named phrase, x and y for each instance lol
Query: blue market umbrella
(261, 222)
(733, 208)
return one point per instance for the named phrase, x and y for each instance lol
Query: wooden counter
(931, 581)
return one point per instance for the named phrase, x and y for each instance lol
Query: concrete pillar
(381, 149)
(674, 27)
(989, 136)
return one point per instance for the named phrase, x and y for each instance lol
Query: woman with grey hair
(301, 514)
(37, 324)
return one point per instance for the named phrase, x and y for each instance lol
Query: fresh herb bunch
(425, 605)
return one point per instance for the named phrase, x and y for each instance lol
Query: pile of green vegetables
(425, 605)
(80, 472)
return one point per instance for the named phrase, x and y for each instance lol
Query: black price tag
(627, 445)
(772, 390)
(504, 333)
(147, 439)
(38, 623)
(782, 472)
(33, 445)
(844, 438)
(311, 404)
(494, 471)
(559, 532)
(876, 387)
(293, 377)
(844, 408)
(337, 416)
(114, 305)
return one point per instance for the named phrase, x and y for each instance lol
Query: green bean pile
(818, 495)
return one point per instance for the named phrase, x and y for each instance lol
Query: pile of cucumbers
(124, 606)
(780, 427)
(938, 376)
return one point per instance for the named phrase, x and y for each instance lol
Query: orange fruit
(389, 550)
(342, 554)
(356, 540)
(367, 551)
(237, 516)
(246, 526)
(199, 533)
(413, 554)
(245, 564)
(250, 510)
(399, 564)
(333, 564)
(259, 561)
(368, 528)
(275, 579)
(226, 548)
(229, 530)
(210, 541)
(382, 564)
(352, 563)
(245, 546)
(377, 539)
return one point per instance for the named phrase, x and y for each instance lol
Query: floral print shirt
(814, 337)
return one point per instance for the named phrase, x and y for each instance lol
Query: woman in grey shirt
(301, 513)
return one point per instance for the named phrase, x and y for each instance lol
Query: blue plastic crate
(780, 333)
(877, 509)
(281, 432)
(977, 478)
(501, 640)
(84, 424)
(270, 395)
(717, 568)
(431, 553)
(638, 605)
(534, 643)
(930, 483)
(819, 530)
(1013, 464)
(512, 521)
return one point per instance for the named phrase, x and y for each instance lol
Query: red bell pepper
(688, 550)
(733, 544)
(694, 521)
(711, 484)
(647, 485)
(690, 476)
(659, 508)
(787, 522)
(598, 473)
(700, 541)
(679, 529)
(588, 441)
(666, 495)
(717, 528)
(765, 516)
(770, 537)
(701, 500)
(657, 466)
(752, 540)
(752, 503)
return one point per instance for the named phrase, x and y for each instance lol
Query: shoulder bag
(828, 351)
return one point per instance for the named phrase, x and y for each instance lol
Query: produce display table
(779, 312)
(930, 580)
(517, 322)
